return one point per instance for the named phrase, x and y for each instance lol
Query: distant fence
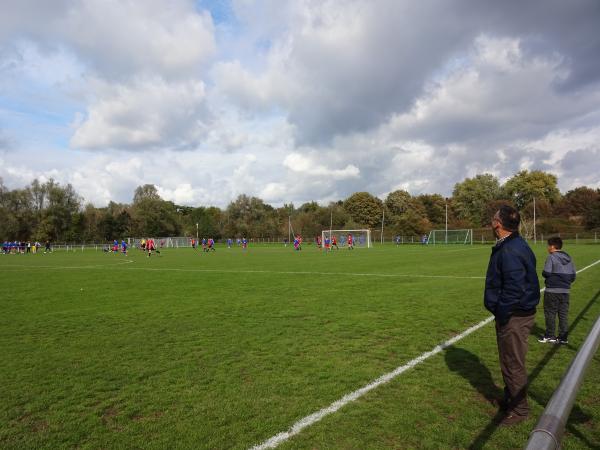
(186, 241)
(480, 236)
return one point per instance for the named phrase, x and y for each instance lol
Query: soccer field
(228, 349)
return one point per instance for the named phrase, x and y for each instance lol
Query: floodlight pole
(534, 233)
(382, 221)
(196, 232)
(446, 220)
(330, 222)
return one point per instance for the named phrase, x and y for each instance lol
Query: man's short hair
(509, 218)
(555, 242)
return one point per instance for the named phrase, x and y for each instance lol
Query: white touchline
(317, 416)
(21, 267)
(281, 272)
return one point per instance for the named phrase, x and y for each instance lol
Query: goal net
(160, 242)
(360, 238)
(464, 236)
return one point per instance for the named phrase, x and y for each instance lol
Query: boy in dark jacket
(559, 273)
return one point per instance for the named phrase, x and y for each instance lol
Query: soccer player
(143, 244)
(244, 243)
(115, 247)
(211, 245)
(350, 242)
(334, 242)
(327, 243)
(150, 246)
(229, 242)
(124, 247)
(48, 247)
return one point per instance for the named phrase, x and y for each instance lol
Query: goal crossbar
(459, 236)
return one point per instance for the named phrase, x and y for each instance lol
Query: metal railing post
(550, 428)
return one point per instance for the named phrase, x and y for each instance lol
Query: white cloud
(317, 167)
(295, 100)
(116, 38)
(151, 113)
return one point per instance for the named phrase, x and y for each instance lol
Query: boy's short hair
(555, 242)
(509, 218)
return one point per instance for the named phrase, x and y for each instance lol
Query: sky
(296, 101)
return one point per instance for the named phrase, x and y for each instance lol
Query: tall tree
(592, 216)
(471, 197)
(576, 202)
(145, 192)
(245, 214)
(364, 208)
(17, 220)
(435, 207)
(398, 202)
(525, 185)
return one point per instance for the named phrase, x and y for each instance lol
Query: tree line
(55, 212)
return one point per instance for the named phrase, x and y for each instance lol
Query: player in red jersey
(150, 246)
(334, 242)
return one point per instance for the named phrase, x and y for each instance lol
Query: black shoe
(512, 419)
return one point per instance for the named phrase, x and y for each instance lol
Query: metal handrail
(549, 430)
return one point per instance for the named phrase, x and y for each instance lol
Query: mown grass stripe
(313, 418)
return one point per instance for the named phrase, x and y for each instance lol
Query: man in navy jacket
(512, 292)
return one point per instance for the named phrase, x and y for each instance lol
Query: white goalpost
(360, 238)
(463, 236)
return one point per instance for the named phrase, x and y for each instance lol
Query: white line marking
(24, 267)
(383, 275)
(317, 416)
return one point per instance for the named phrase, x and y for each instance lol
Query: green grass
(224, 350)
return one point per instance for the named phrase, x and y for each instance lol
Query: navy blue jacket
(511, 283)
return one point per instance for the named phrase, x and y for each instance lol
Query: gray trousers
(556, 304)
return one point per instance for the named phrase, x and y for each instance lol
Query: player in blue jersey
(124, 247)
(229, 242)
(244, 243)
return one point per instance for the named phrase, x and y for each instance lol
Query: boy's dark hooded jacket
(511, 283)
